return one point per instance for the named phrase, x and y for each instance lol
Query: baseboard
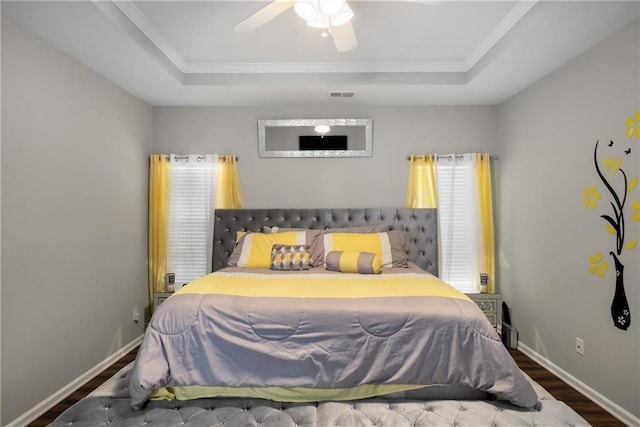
(57, 397)
(593, 395)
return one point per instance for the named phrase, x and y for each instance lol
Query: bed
(315, 335)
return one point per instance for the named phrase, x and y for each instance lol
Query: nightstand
(159, 297)
(491, 306)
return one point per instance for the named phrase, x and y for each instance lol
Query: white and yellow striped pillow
(254, 249)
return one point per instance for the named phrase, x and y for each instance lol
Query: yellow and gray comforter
(320, 336)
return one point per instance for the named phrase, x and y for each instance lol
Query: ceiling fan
(332, 16)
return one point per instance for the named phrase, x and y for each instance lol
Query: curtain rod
(200, 158)
(448, 156)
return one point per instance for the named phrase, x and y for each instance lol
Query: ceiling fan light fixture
(306, 10)
(332, 17)
(342, 16)
(331, 6)
(320, 21)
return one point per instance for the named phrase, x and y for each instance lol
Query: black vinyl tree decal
(620, 313)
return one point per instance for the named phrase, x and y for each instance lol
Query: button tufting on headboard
(420, 225)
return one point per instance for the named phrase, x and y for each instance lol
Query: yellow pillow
(353, 262)
(256, 247)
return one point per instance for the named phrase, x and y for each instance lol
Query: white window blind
(459, 221)
(192, 185)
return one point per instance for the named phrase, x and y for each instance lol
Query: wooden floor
(591, 412)
(83, 391)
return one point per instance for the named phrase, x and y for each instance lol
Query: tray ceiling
(409, 52)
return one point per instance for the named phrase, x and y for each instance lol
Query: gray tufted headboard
(420, 225)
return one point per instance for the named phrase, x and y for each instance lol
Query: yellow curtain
(421, 190)
(158, 212)
(485, 196)
(229, 192)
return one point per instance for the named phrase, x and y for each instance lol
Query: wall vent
(341, 94)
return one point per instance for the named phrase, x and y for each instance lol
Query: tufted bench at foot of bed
(110, 405)
(109, 411)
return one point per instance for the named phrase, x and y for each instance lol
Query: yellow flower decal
(636, 208)
(613, 164)
(598, 266)
(591, 197)
(633, 125)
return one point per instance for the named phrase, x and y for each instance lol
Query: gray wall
(378, 181)
(547, 137)
(74, 191)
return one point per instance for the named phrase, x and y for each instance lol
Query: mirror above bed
(315, 138)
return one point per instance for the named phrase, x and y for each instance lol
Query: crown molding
(151, 32)
(324, 67)
(500, 30)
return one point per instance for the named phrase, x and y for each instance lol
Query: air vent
(341, 94)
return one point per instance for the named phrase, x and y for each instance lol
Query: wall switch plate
(136, 314)
(579, 346)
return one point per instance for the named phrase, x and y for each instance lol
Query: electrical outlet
(579, 346)
(136, 314)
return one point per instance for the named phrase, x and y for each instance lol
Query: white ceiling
(409, 52)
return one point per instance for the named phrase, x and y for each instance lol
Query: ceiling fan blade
(344, 37)
(262, 16)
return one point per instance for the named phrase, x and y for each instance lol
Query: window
(459, 185)
(459, 221)
(192, 193)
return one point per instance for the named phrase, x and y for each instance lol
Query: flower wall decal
(636, 214)
(618, 186)
(633, 125)
(613, 165)
(598, 265)
(591, 196)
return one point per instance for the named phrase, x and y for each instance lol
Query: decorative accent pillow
(313, 238)
(290, 257)
(353, 262)
(389, 245)
(254, 249)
